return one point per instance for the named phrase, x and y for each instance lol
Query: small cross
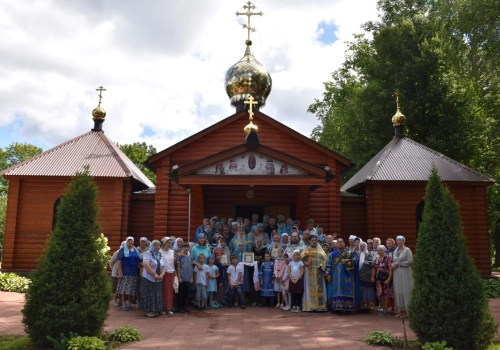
(250, 102)
(101, 89)
(249, 6)
(397, 99)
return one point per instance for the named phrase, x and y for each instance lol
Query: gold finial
(249, 7)
(99, 112)
(251, 125)
(398, 118)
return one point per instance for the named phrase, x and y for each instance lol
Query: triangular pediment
(262, 164)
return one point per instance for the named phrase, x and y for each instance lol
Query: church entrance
(247, 210)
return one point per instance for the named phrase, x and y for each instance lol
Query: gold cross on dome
(250, 102)
(101, 89)
(397, 94)
(249, 7)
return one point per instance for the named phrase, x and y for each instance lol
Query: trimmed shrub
(448, 301)
(436, 346)
(10, 282)
(492, 288)
(70, 290)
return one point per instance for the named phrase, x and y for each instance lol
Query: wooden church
(247, 163)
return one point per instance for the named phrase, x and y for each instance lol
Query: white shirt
(233, 272)
(201, 276)
(168, 259)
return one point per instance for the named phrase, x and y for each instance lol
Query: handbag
(382, 275)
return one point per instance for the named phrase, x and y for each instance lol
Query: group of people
(299, 270)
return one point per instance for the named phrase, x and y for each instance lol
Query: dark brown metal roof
(406, 160)
(92, 148)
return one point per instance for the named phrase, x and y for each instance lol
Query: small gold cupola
(398, 120)
(99, 114)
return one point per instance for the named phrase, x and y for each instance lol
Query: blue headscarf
(155, 255)
(126, 251)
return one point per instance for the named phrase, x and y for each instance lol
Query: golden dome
(99, 112)
(398, 118)
(248, 77)
(249, 127)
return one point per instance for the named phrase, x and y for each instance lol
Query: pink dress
(279, 272)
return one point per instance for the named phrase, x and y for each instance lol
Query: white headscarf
(362, 253)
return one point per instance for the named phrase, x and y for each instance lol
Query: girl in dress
(296, 284)
(287, 303)
(213, 273)
(279, 272)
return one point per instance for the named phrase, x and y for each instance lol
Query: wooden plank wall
(394, 213)
(353, 218)
(30, 213)
(141, 217)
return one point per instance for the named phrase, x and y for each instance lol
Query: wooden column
(161, 198)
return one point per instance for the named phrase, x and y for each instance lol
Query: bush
(10, 282)
(380, 338)
(125, 334)
(436, 346)
(61, 343)
(86, 343)
(70, 290)
(448, 301)
(492, 288)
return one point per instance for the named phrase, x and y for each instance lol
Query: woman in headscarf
(285, 241)
(281, 228)
(168, 279)
(382, 275)
(402, 277)
(366, 262)
(201, 248)
(177, 246)
(114, 274)
(218, 231)
(128, 260)
(152, 276)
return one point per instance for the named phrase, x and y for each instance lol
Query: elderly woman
(402, 276)
(167, 254)
(382, 275)
(366, 262)
(128, 261)
(152, 275)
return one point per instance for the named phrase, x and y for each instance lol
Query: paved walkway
(253, 328)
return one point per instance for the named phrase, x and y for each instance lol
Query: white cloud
(163, 64)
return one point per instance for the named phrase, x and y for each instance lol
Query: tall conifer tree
(71, 290)
(448, 301)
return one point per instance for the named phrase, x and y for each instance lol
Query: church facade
(247, 163)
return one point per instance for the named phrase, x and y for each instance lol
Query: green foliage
(436, 346)
(12, 155)
(3, 213)
(86, 343)
(70, 290)
(380, 338)
(492, 288)
(448, 301)
(139, 153)
(10, 282)
(125, 334)
(61, 343)
(14, 342)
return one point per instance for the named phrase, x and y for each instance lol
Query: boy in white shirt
(235, 280)
(201, 278)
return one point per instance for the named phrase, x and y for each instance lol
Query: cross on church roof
(249, 6)
(250, 102)
(101, 89)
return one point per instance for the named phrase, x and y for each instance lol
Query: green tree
(13, 154)
(139, 153)
(448, 301)
(70, 290)
(404, 51)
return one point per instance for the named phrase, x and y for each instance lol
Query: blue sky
(163, 64)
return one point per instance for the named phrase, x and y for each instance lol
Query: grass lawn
(15, 342)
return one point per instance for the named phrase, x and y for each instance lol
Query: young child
(279, 272)
(185, 273)
(213, 274)
(235, 281)
(201, 278)
(267, 280)
(219, 298)
(284, 281)
(296, 284)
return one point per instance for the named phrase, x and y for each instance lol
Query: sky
(162, 62)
